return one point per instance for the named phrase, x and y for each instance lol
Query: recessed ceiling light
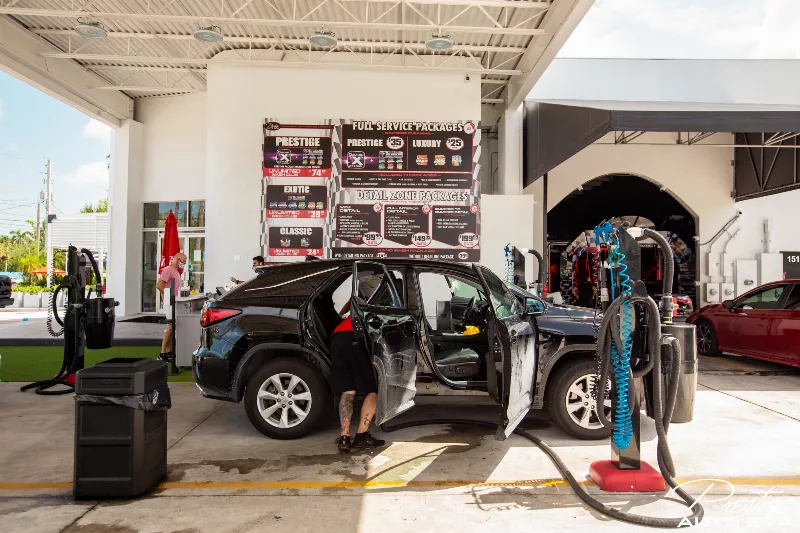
(208, 34)
(439, 43)
(324, 39)
(90, 28)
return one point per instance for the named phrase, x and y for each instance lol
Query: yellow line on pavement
(41, 485)
(444, 483)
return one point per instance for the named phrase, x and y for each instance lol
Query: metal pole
(544, 266)
(47, 237)
(38, 224)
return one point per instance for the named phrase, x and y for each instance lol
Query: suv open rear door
(385, 328)
(517, 337)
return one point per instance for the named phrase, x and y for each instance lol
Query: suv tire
(564, 403)
(707, 343)
(285, 398)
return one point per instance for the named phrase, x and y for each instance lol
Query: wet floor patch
(178, 471)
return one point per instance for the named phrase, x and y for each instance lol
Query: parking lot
(224, 476)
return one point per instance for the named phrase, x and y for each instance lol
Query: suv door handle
(374, 322)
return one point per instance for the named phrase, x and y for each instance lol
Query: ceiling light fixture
(90, 29)
(439, 43)
(324, 39)
(208, 34)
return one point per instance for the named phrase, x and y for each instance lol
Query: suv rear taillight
(212, 315)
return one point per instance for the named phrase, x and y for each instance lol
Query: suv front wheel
(285, 398)
(571, 403)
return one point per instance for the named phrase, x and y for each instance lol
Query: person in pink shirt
(170, 277)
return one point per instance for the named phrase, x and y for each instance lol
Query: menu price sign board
(297, 201)
(296, 151)
(407, 224)
(287, 241)
(358, 224)
(407, 146)
(456, 225)
(423, 179)
(422, 155)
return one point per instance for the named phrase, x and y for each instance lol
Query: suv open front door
(517, 336)
(385, 328)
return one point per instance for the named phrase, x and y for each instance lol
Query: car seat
(458, 363)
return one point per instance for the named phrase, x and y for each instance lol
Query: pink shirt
(168, 274)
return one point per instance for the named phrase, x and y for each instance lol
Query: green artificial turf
(34, 363)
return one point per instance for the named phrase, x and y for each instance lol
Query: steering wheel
(472, 311)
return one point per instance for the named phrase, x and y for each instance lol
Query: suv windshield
(503, 302)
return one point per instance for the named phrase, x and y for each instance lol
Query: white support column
(124, 281)
(509, 179)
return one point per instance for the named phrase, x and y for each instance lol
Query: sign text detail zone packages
(407, 189)
(296, 191)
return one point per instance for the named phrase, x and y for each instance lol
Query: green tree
(101, 207)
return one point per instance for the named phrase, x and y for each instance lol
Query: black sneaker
(365, 440)
(166, 357)
(345, 444)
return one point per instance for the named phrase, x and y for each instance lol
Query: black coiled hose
(52, 314)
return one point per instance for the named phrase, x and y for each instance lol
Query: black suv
(430, 328)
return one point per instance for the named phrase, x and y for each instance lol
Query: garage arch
(617, 195)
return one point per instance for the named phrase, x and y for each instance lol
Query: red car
(763, 323)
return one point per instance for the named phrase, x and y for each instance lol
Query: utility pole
(38, 224)
(47, 237)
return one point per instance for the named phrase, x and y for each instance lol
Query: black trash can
(120, 428)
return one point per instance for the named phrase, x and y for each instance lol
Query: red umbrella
(171, 244)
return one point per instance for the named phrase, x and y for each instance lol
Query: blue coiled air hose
(621, 361)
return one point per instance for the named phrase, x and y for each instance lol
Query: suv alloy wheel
(285, 398)
(571, 404)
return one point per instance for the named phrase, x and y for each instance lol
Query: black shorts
(351, 368)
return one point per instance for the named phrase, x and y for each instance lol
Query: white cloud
(94, 129)
(86, 175)
(687, 29)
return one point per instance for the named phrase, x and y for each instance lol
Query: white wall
(125, 212)
(240, 97)
(507, 219)
(509, 146)
(781, 209)
(174, 152)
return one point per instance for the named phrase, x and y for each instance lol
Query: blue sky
(33, 127)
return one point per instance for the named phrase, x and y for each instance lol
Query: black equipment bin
(120, 428)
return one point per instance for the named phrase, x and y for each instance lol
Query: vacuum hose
(99, 285)
(669, 273)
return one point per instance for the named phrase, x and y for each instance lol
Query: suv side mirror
(728, 304)
(533, 307)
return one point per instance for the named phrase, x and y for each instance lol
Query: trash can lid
(124, 361)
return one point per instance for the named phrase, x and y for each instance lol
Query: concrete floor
(27, 326)
(224, 476)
